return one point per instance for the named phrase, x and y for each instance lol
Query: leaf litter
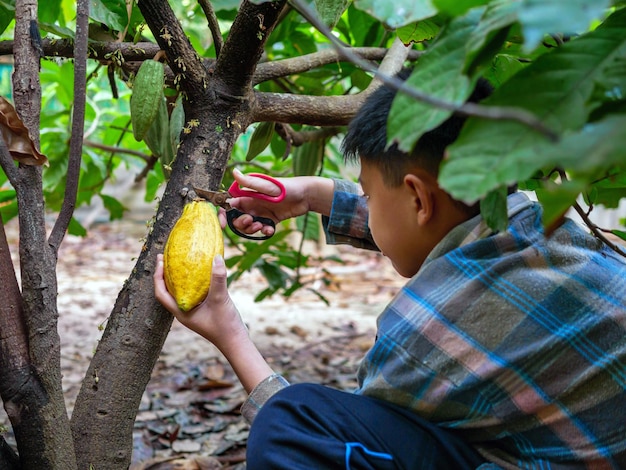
(189, 415)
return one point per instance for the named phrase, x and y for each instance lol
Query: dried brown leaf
(17, 138)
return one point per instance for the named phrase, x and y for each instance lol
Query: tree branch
(103, 51)
(112, 149)
(78, 125)
(597, 231)
(245, 42)
(190, 75)
(9, 460)
(323, 110)
(214, 25)
(7, 164)
(467, 109)
(281, 68)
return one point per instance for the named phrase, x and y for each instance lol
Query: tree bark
(46, 442)
(21, 391)
(106, 407)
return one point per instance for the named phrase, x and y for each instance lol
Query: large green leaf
(608, 191)
(598, 145)
(557, 88)
(486, 40)
(49, 11)
(457, 7)
(438, 74)
(418, 32)
(330, 11)
(541, 17)
(556, 199)
(398, 12)
(112, 13)
(7, 13)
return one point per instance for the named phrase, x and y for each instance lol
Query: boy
(502, 350)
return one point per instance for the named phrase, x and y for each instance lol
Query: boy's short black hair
(366, 137)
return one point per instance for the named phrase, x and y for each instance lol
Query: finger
(268, 230)
(218, 290)
(244, 223)
(258, 184)
(221, 215)
(160, 289)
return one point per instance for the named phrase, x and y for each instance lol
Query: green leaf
(274, 274)
(8, 211)
(361, 27)
(438, 75)
(598, 145)
(619, 233)
(330, 11)
(418, 32)
(399, 12)
(7, 13)
(177, 122)
(457, 7)
(112, 13)
(154, 180)
(49, 11)
(503, 67)
(75, 228)
(493, 208)
(225, 5)
(556, 199)
(115, 207)
(309, 225)
(490, 33)
(541, 17)
(608, 191)
(261, 138)
(557, 89)
(6, 195)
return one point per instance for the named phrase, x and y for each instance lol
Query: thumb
(218, 277)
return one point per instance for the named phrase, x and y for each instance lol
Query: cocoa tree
(515, 44)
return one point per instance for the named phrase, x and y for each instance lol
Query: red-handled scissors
(219, 199)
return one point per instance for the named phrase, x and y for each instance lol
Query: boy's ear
(420, 189)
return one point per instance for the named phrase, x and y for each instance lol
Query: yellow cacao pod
(188, 256)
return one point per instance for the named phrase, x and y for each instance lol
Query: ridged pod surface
(189, 251)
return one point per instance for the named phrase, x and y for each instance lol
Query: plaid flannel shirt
(514, 340)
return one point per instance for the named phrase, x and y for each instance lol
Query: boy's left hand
(216, 318)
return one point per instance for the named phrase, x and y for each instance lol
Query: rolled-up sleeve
(347, 223)
(260, 394)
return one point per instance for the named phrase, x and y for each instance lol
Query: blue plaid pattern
(515, 340)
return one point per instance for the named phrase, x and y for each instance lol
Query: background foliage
(563, 62)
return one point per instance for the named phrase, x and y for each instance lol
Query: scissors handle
(232, 214)
(237, 191)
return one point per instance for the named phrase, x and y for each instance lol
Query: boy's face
(394, 221)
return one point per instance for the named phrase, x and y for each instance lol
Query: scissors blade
(216, 197)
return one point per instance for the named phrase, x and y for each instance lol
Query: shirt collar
(476, 228)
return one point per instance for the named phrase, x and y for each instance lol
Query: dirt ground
(189, 415)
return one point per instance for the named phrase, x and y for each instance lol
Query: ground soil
(189, 416)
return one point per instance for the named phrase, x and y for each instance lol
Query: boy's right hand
(303, 194)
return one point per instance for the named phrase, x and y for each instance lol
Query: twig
(213, 25)
(112, 149)
(597, 231)
(7, 164)
(78, 125)
(467, 109)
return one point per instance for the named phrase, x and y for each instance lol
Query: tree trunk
(106, 407)
(46, 441)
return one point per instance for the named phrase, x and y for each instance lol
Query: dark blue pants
(315, 427)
